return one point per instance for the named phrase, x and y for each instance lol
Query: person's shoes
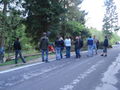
(105, 55)
(101, 54)
(24, 62)
(43, 60)
(80, 56)
(47, 61)
(88, 56)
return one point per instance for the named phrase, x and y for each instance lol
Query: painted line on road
(5, 71)
(81, 77)
(26, 66)
(21, 67)
(110, 80)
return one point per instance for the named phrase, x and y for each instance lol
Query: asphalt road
(86, 73)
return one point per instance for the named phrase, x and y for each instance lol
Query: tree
(73, 13)
(9, 21)
(41, 16)
(74, 28)
(2, 28)
(110, 18)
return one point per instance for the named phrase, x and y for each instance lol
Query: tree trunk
(1, 49)
(2, 36)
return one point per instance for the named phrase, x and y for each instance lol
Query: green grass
(19, 60)
(29, 58)
(24, 52)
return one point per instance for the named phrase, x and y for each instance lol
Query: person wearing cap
(44, 42)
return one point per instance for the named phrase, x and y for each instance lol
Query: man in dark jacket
(58, 48)
(62, 47)
(44, 42)
(105, 45)
(78, 46)
(17, 48)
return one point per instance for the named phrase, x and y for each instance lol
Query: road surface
(93, 73)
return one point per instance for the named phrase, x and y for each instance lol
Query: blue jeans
(61, 52)
(77, 52)
(68, 51)
(44, 55)
(105, 49)
(95, 48)
(58, 54)
(1, 55)
(90, 50)
(18, 52)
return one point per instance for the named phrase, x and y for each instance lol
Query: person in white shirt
(68, 46)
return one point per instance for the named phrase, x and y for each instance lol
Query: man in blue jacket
(90, 46)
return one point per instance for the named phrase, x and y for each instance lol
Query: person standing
(62, 47)
(17, 48)
(81, 43)
(105, 46)
(97, 44)
(2, 54)
(94, 44)
(68, 46)
(90, 46)
(58, 48)
(44, 42)
(78, 45)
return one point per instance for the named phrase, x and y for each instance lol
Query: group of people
(60, 44)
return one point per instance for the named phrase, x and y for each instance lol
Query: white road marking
(5, 71)
(21, 67)
(81, 76)
(110, 80)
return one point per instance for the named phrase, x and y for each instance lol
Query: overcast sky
(95, 9)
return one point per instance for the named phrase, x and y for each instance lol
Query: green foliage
(115, 38)
(18, 32)
(110, 18)
(74, 28)
(100, 36)
(52, 16)
(43, 15)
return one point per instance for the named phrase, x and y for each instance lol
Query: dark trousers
(105, 49)
(1, 57)
(77, 52)
(18, 52)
